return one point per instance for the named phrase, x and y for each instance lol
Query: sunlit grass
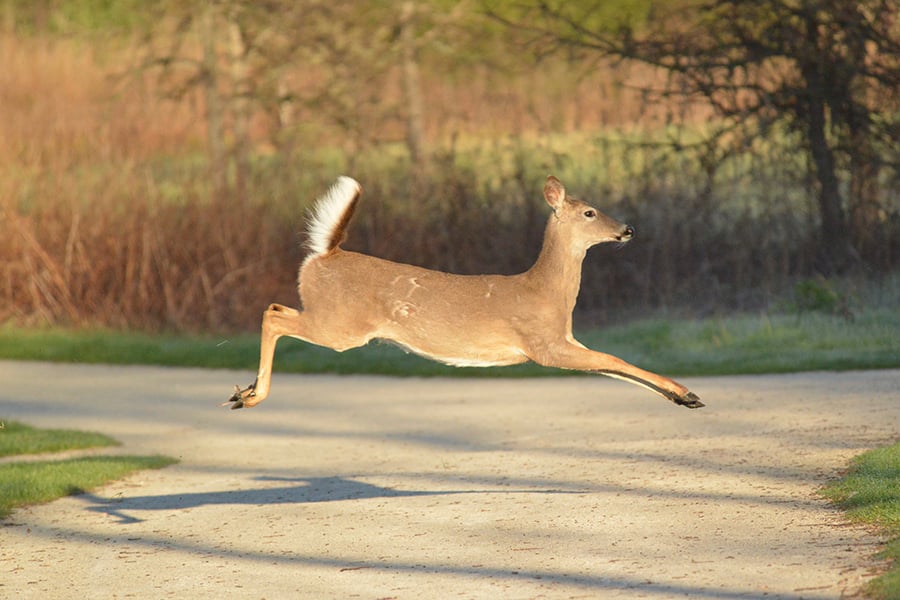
(753, 344)
(32, 482)
(870, 492)
(36, 482)
(18, 438)
(744, 344)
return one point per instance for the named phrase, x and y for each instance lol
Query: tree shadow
(305, 490)
(595, 583)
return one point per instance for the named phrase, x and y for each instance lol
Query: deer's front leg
(277, 321)
(577, 357)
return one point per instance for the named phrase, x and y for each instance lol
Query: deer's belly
(474, 356)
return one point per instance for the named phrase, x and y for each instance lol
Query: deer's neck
(557, 271)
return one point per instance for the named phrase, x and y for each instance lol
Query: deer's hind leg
(279, 321)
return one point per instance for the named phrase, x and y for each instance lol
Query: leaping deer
(463, 320)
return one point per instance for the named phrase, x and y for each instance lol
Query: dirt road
(368, 487)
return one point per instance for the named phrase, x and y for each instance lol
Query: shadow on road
(305, 490)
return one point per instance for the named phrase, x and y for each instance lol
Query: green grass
(758, 344)
(870, 493)
(748, 344)
(33, 482)
(36, 482)
(18, 438)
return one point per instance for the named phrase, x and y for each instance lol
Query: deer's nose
(627, 234)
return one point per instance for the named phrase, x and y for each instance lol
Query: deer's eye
(590, 213)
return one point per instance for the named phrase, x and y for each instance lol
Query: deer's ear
(554, 192)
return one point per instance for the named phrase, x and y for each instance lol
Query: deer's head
(583, 224)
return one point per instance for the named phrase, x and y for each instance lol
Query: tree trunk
(865, 201)
(412, 86)
(834, 237)
(833, 230)
(240, 109)
(214, 128)
(865, 194)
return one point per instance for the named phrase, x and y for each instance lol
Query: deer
(349, 299)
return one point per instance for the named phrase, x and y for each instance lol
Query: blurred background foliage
(158, 157)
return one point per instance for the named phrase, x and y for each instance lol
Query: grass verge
(36, 482)
(33, 482)
(748, 344)
(870, 493)
(18, 438)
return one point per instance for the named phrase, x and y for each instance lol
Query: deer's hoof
(690, 400)
(237, 398)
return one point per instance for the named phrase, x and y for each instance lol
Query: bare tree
(824, 71)
(183, 46)
(209, 77)
(412, 84)
(360, 50)
(304, 66)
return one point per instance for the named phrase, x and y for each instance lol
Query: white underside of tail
(327, 213)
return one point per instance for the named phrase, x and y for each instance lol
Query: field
(746, 344)
(111, 216)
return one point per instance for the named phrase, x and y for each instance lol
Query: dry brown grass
(175, 266)
(90, 236)
(107, 216)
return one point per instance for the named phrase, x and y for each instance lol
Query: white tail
(330, 216)
(465, 320)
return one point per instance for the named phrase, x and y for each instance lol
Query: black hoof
(691, 400)
(237, 398)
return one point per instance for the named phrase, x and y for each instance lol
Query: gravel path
(370, 487)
